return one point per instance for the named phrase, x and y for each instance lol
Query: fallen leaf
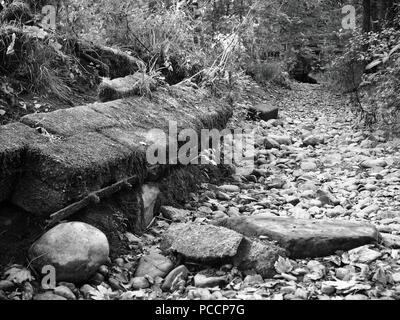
(277, 296)
(22, 105)
(27, 291)
(130, 295)
(101, 293)
(336, 260)
(345, 258)
(395, 254)
(270, 284)
(358, 287)
(364, 274)
(283, 265)
(10, 49)
(364, 255)
(18, 275)
(373, 64)
(381, 276)
(317, 270)
(340, 285)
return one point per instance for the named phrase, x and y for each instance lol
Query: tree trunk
(389, 11)
(367, 15)
(376, 15)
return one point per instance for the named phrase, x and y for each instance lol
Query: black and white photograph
(197, 156)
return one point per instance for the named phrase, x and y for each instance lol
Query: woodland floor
(296, 173)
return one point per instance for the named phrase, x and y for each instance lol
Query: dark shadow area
(305, 78)
(305, 62)
(18, 230)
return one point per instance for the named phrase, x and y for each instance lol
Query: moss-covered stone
(133, 85)
(14, 139)
(64, 171)
(93, 146)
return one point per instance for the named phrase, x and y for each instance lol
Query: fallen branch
(105, 67)
(93, 198)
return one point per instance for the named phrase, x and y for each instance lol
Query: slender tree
(366, 15)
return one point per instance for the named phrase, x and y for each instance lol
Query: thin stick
(151, 223)
(92, 198)
(164, 219)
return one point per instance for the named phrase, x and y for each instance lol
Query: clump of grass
(18, 12)
(43, 65)
(265, 72)
(55, 83)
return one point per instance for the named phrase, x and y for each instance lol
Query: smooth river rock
(76, 250)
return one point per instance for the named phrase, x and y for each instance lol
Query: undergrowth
(369, 71)
(34, 62)
(176, 45)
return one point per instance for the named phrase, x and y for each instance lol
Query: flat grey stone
(154, 265)
(281, 139)
(128, 86)
(263, 111)
(305, 238)
(174, 214)
(198, 242)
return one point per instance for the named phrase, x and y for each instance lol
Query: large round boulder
(76, 250)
